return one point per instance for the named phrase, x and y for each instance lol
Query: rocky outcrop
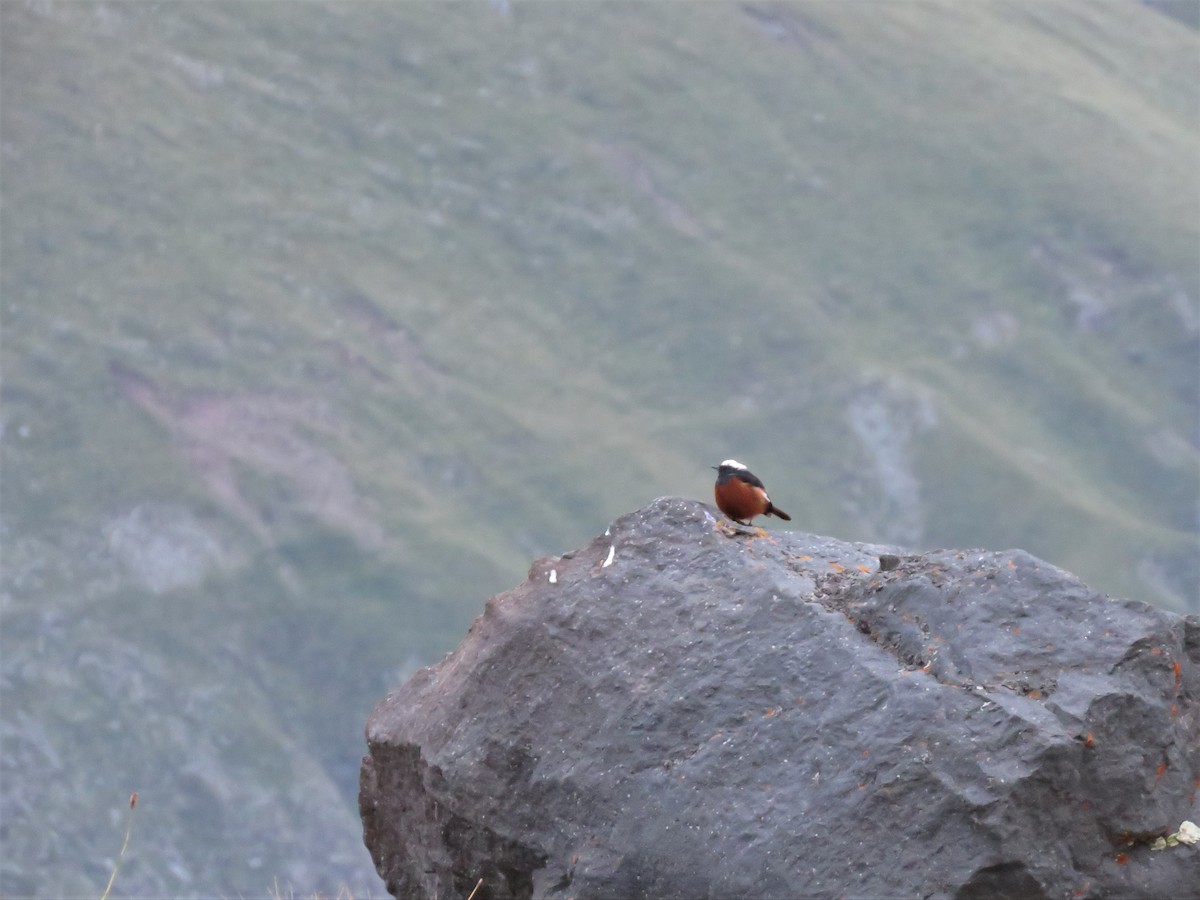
(681, 709)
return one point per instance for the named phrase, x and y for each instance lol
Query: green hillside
(321, 321)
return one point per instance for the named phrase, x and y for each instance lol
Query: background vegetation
(320, 321)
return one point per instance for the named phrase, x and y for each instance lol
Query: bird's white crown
(733, 464)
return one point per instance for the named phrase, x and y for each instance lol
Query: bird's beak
(715, 467)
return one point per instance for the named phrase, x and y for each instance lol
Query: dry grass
(125, 846)
(277, 893)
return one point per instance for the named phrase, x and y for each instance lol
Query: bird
(741, 495)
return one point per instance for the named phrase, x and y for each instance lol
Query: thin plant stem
(125, 846)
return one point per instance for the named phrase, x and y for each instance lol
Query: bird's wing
(750, 478)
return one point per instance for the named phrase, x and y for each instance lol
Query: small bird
(740, 494)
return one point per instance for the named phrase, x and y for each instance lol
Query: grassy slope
(509, 277)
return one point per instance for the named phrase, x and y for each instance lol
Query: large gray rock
(680, 711)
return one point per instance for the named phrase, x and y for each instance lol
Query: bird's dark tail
(774, 510)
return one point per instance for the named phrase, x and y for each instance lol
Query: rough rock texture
(719, 714)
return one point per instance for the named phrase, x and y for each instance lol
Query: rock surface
(676, 710)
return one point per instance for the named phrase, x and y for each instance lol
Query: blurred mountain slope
(321, 321)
